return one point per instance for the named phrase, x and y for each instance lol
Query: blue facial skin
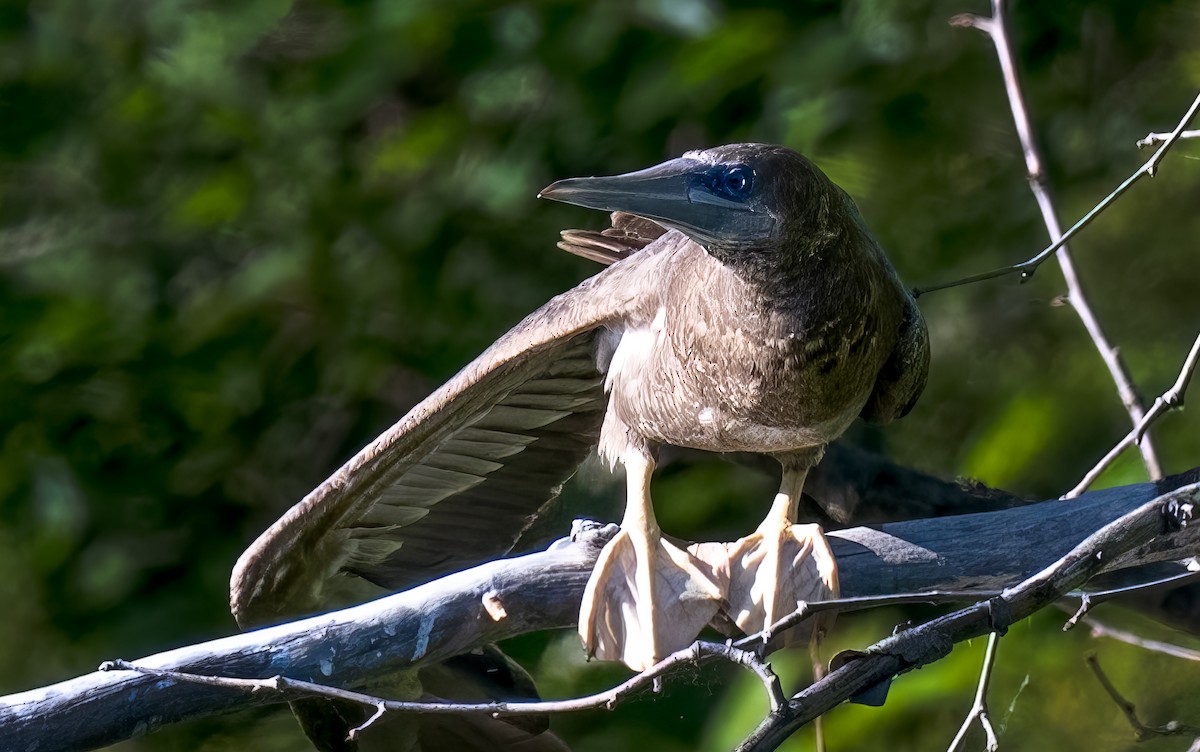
(730, 182)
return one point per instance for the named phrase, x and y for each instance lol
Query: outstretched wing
(456, 480)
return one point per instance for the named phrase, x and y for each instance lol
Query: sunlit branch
(1165, 402)
(1157, 138)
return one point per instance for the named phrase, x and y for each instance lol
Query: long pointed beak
(655, 192)
(670, 194)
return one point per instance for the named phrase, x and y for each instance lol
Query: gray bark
(542, 591)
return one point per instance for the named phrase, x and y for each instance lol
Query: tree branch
(1157, 138)
(542, 591)
(1100, 629)
(286, 690)
(1089, 600)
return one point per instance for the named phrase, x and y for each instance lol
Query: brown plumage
(766, 318)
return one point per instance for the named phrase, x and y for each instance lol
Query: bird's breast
(698, 379)
(713, 361)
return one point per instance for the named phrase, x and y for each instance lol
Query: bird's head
(729, 198)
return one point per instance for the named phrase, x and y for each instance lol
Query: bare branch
(541, 591)
(286, 689)
(997, 30)
(979, 709)
(1027, 268)
(1088, 601)
(1100, 629)
(934, 639)
(1140, 730)
(807, 610)
(1168, 400)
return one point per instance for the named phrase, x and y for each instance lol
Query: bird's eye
(734, 182)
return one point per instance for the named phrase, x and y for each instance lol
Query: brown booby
(749, 309)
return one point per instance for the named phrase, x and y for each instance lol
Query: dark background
(238, 239)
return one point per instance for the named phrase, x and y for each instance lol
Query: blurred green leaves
(239, 239)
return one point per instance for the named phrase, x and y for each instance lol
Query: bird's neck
(827, 262)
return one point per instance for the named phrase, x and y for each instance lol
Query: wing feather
(460, 477)
(902, 378)
(628, 235)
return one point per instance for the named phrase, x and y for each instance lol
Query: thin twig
(808, 609)
(380, 709)
(697, 653)
(996, 28)
(1100, 629)
(1029, 266)
(1157, 138)
(1089, 600)
(1168, 400)
(1140, 730)
(979, 709)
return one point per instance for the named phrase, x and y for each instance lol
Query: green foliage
(239, 239)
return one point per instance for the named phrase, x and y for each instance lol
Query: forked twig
(1089, 600)
(979, 709)
(1157, 138)
(1165, 402)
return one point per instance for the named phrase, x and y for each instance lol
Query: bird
(745, 307)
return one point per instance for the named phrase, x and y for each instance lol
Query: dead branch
(979, 708)
(286, 690)
(1100, 629)
(428, 624)
(1157, 138)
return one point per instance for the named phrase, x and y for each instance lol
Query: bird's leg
(781, 564)
(646, 597)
